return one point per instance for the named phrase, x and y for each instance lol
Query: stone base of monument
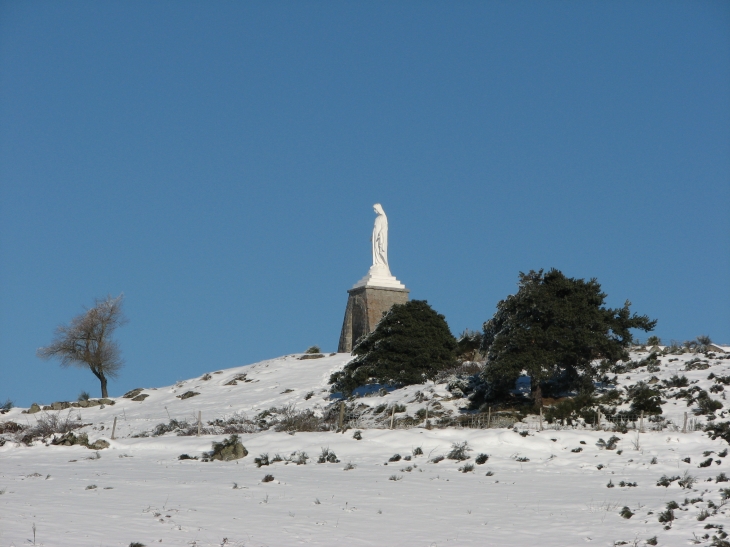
(369, 299)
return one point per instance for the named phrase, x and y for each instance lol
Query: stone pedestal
(369, 299)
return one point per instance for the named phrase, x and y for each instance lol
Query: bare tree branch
(86, 341)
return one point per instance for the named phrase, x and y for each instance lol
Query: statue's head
(378, 209)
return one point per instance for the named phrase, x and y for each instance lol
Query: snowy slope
(535, 488)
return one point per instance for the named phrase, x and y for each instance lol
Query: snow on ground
(138, 491)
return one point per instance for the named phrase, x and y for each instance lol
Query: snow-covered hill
(545, 487)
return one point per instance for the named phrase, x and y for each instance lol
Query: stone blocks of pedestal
(366, 305)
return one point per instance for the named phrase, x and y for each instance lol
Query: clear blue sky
(217, 162)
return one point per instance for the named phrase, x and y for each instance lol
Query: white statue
(379, 274)
(380, 238)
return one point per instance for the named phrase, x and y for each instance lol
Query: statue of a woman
(380, 238)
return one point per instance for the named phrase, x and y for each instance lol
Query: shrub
(262, 460)
(652, 541)
(357, 435)
(410, 344)
(608, 445)
(481, 459)
(572, 408)
(610, 484)
(299, 458)
(719, 429)
(706, 405)
(394, 458)
(459, 451)
(626, 513)
(687, 481)
(11, 427)
(676, 381)
(721, 478)
(666, 517)
(644, 398)
(313, 349)
(327, 456)
(467, 468)
(48, 424)
(182, 426)
(418, 451)
(186, 457)
(579, 449)
(720, 379)
(437, 459)
(395, 477)
(136, 544)
(236, 423)
(267, 478)
(83, 396)
(292, 419)
(666, 481)
(706, 463)
(349, 466)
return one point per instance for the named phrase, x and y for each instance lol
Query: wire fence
(393, 417)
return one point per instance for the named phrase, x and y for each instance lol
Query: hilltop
(564, 485)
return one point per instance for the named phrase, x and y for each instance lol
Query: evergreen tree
(409, 345)
(555, 326)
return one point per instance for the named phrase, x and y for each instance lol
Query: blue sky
(217, 163)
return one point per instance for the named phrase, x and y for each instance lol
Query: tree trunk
(104, 392)
(537, 394)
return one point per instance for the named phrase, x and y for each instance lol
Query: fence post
(540, 418)
(641, 422)
(392, 417)
(684, 427)
(114, 427)
(200, 422)
(489, 417)
(342, 416)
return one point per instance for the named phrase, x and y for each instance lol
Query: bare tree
(86, 341)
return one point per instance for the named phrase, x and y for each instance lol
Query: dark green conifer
(409, 345)
(555, 326)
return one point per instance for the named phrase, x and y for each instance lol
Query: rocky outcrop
(69, 439)
(227, 450)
